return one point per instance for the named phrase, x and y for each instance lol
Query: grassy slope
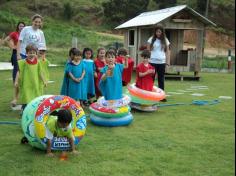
(58, 32)
(176, 140)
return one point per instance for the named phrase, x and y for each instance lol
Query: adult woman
(31, 35)
(11, 40)
(158, 44)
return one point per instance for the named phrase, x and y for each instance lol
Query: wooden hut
(175, 20)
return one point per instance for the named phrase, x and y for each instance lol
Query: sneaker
(13, 103)
(24, 140)
(164, 100)
(16, 108)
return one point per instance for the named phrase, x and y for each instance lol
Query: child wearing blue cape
(74, 75)
(64, 88)
(111, 80)
(90, 73)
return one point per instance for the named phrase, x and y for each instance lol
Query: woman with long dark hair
(11, 40)
(158, 45)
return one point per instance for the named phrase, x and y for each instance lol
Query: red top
(146, 82)
(99, 65)
(14, 36)
(127, 72)
(32, 62)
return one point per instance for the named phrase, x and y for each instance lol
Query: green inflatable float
(37, 113)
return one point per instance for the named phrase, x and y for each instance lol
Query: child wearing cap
(44, 63)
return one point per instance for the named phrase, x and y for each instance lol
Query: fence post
(229, 60)
(74, 42)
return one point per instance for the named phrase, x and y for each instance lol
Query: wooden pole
(199, 52)
(229, 61)
(204, 31)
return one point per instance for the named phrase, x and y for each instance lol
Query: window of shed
(131, 37)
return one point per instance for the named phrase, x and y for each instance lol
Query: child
(89, 76)
(99, 63)
(74, 74)
(44, 63)
(145, 72)
(59, 126)
(71, 51)
(65, 80)
(127, 73)
(29, 77)
(111, 80)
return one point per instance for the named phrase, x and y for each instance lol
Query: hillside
(87, 21)
(91, 13)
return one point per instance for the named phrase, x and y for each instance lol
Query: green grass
(183, 140)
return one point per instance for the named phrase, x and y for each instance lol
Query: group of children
(84, 78)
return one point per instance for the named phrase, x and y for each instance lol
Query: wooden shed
(175, 20)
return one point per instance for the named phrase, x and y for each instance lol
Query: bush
(219, 62)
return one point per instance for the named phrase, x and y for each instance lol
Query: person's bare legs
(16, 95)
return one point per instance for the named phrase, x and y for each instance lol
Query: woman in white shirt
(31, 35)
(158, 45)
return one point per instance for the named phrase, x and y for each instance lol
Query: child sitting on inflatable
(59, 126)
(112, 109)
(145, 72)
(111, 80)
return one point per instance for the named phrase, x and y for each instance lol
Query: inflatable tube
(147, 108)
(124, 101)
(111, 122)
(138, 100)
(36, 115)
(107, 112)
(156, 94)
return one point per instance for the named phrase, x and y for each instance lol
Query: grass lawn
(187, 140)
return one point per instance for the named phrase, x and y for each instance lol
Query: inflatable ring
(111, 122)
(37, 113)
(124, 101)
(155, 95)
(107, 112)
(147, 108)
(138, 100)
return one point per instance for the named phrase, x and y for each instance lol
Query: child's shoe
(24, 140)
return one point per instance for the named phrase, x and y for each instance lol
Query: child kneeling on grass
(59, 127)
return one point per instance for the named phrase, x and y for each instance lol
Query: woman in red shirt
(145, 72)
(12, 40)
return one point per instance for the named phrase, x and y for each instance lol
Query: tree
(118, 11)
(201, 7)
(68, 11)
(166, 3)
